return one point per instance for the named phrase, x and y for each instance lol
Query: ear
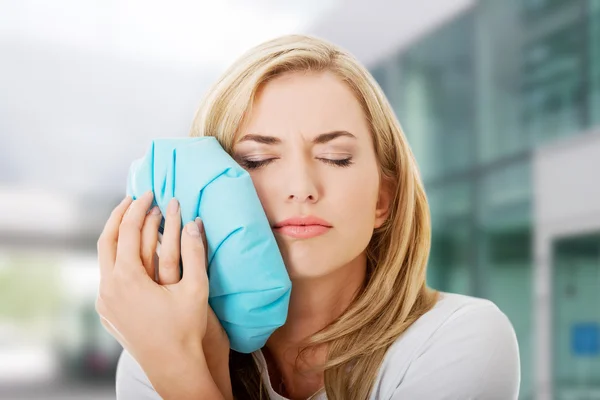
(384, 201)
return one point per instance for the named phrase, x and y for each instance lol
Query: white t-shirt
(463, 348)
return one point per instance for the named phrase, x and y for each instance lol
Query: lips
(304, 227)
(303, 221)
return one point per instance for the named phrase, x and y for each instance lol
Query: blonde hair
(395, 293)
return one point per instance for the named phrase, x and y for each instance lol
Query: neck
(314, 304)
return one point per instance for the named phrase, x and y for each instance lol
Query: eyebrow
(321, 139)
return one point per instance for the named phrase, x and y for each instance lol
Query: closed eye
(255, 164)
(339, 163)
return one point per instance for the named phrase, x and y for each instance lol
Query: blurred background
(500, 101)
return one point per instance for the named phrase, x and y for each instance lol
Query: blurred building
(500, 102)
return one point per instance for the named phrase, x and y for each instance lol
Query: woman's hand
(162, 324)
(215, 342)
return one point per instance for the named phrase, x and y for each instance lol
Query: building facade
(501, 105)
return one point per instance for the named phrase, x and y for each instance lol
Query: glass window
(434, 99)
(507, 259)
(576, 317)
(498, 34)
(553, 79)
(531, 81)
(505, 194)
(475, 97)
(535, 9)
(449, 266)
(450, 261)
(594, 57)
(503, 246)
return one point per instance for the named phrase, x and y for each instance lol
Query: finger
(168, 262)
(107, 242)
(204, 242)
(150, 240)
(193, 255)
(128, 245)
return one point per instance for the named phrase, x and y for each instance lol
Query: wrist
(182, 374)
(217, 360)
(216, 356)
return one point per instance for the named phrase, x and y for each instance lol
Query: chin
(310, 259)
(307, 268)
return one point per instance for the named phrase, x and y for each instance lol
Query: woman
(323, 148)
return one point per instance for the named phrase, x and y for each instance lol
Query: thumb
(193, 256)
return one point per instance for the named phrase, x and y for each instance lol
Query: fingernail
(155, 210)
(173, 206)
(200, 224)
(192, 229)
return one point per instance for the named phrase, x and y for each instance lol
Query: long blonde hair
(395, 293)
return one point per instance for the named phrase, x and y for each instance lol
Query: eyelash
(249, 164)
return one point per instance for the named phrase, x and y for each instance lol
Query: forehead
(306, 103)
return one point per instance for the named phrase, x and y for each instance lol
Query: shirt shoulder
(463, 348)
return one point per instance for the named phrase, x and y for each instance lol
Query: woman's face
(309, 151)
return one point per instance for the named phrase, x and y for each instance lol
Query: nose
(301, 184)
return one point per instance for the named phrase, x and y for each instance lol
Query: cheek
(355, 202)
(359, 208)
(355, 221)
(358, 188)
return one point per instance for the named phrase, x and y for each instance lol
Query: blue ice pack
(249, 285)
